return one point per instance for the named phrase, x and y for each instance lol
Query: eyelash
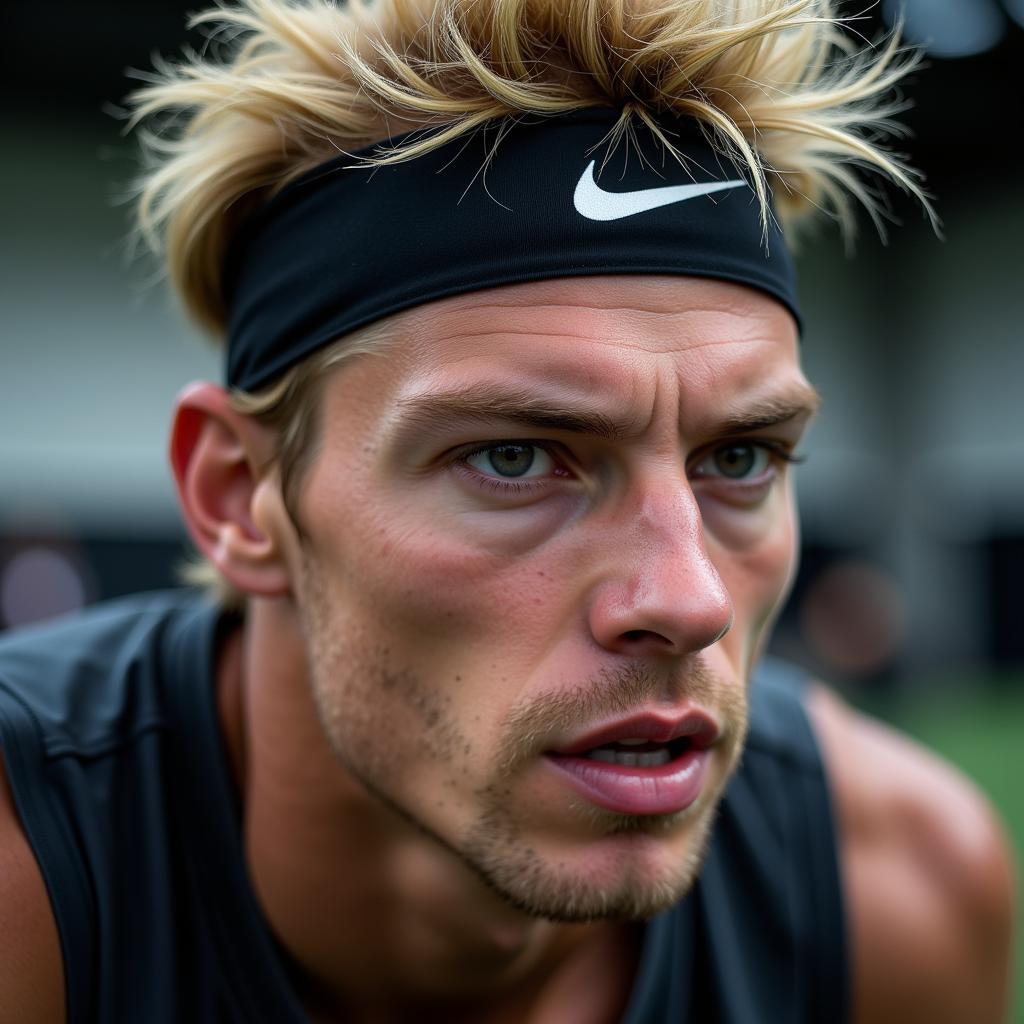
(779, 454)
(498, 484)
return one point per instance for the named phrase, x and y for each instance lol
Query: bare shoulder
(31, 967)
(927, 875)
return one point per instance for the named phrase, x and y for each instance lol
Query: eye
(743, 461)
(512, 460)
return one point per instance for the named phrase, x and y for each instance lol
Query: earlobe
(218, 455)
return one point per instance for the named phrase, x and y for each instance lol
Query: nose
(659, 592)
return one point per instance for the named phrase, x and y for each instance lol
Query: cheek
(459, 594)
(419, 637)
(759, 572)
(470, 623)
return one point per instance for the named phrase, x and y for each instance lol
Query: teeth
(648, 759)
(654, 758)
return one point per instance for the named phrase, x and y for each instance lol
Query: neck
(377, 916)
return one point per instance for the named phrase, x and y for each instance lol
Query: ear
(218, 456)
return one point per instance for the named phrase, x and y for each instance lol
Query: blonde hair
(283, 85)
(290, 407)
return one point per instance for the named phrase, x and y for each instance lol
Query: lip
(656, 727)
(632, 789)
(665, 789)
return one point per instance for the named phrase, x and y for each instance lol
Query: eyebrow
(488, 402)
(485, 402)
(801, 401)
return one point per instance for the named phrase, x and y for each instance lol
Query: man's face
(542, 540)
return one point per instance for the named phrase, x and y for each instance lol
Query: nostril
(636, 635)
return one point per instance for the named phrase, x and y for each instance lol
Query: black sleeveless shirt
(112, 746)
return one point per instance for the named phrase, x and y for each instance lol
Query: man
(477, 728)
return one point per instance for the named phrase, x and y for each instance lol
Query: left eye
(512, 461)
(736, 462)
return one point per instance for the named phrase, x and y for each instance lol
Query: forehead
(627, 339)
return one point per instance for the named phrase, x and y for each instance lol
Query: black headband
(342, 247)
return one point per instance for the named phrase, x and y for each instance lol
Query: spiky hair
(283, 85)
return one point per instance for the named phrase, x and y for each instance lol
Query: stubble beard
(497, 846)
(502, 854)
(512, 867)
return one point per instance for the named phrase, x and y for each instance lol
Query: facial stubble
(497, 846)
(505, 858)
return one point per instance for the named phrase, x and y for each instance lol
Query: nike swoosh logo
(594, 203)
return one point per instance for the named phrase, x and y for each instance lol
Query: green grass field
(984, 736)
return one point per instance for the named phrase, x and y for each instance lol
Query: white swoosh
(594, 203)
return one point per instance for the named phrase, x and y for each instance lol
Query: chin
(639, 867)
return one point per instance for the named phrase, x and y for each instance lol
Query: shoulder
(31, 966)
(80, 677)
(926, 872)
(65, 686)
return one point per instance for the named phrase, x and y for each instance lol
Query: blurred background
(911, 593)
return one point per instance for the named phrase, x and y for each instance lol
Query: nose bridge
(668, 536)
(661, 589)
(664, 506)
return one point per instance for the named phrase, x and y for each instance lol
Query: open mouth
(646, 764)
(639, 753)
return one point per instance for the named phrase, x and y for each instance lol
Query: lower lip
(666, 789)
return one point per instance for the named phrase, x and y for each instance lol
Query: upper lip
(655, 726)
